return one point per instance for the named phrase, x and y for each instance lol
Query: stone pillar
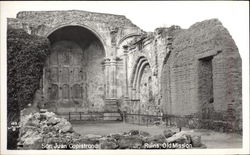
(125, 48)
(111, 85)
(133, 93)
(107, 76)
(127, 95)
(113, 81)
(111, 71)
(130, 92)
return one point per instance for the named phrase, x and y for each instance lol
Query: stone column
(107, 75)
(133, 93)
(127, 97)
(125, 51)
(130, 91)
(111, 85)
(113, 81)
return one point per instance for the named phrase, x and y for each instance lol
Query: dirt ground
(210, 138)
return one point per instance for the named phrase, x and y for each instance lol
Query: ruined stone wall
(43, 23)
(154, 47)
(203, 40)
(108, 28)
(190, 71)
(195, 71)
(148, 105)
(95, 80)
(77, 77)
(143, 80)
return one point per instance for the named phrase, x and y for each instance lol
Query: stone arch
(142, 87)
(77, 54)
(137, 73)
(92, 30)
(128, 36)
(125, 39)
(135, 61)
(136, 69)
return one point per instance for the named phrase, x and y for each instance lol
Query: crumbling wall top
(51, 16)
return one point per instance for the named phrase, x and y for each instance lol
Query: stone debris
(196, 141)
(180, 138)
(39, 130)
(134, 132)
(108, 144)
(47, 131)
(130, 142)
(168, 133)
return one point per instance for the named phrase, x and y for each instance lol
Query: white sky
(149, 15)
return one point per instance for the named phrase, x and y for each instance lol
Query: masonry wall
(95, 81)
(195, 72)
(108, 28)
(181, 64)
(206, 40)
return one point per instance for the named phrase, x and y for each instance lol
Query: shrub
(26, 55)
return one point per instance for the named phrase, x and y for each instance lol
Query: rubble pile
(38, 130)
(47, 131)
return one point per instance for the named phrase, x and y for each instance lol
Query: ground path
(210, 138)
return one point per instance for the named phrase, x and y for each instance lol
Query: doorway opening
(205, 87)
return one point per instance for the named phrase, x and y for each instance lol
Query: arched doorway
(142, 81)
(73, 73)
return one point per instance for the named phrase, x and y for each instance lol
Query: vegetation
(26, 55)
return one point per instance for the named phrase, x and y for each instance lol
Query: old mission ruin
(105, 63)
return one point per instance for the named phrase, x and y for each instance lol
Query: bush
(26, 55)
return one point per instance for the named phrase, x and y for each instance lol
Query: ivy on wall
(26, 55)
